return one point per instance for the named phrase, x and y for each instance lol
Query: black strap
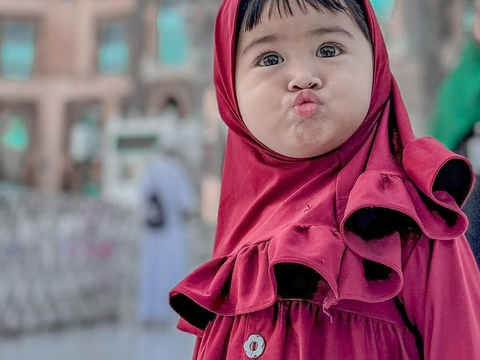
(155, 212)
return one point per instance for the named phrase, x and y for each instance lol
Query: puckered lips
(307, 104)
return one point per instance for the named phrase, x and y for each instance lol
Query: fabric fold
(246, 282)
(385, 209)
(435, 170)
(436, 213)
(393, 205)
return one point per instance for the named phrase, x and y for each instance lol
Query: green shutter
(172, 38)
(114, 52)
(17, 53)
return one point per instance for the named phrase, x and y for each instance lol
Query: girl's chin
(302, 151)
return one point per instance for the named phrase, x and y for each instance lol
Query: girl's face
(303, 82)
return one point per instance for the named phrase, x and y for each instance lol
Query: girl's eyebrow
(261, 40)
(329, 30)
(316, 32)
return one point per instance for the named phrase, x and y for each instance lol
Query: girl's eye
(328, 51)
(269, 60)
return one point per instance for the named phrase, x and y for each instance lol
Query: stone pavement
(105, 342)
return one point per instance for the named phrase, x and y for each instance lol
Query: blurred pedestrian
(457, 112)
(168, 198)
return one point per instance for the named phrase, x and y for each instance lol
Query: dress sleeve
(441, 296)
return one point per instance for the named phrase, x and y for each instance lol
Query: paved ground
(100, 343)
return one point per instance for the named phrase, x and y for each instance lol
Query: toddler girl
(340, 235)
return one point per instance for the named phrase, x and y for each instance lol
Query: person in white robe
(168, 198)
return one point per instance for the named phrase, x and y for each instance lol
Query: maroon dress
(358, 254)
(402, 328)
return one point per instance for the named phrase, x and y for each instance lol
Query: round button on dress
(254, 346)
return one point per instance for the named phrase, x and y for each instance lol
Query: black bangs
(251, 10)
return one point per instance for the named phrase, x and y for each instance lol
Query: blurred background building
(90, 92)
(68, 67)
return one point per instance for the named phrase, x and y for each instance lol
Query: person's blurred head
(476, 21)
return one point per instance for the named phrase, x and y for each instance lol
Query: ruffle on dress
(443, 176)
(386, 209)
(382, 211)
(247, 281)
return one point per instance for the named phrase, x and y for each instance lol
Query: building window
(17, 52)
(114, 50)
(14, 145)
(172, 38)
(383, 9)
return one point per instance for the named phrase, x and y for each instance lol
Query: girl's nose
(305, 81)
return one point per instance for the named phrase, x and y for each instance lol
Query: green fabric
(458, 103)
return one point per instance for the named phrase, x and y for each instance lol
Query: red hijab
(315, 212)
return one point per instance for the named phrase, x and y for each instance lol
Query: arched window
(172, 37)
(14, 145)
